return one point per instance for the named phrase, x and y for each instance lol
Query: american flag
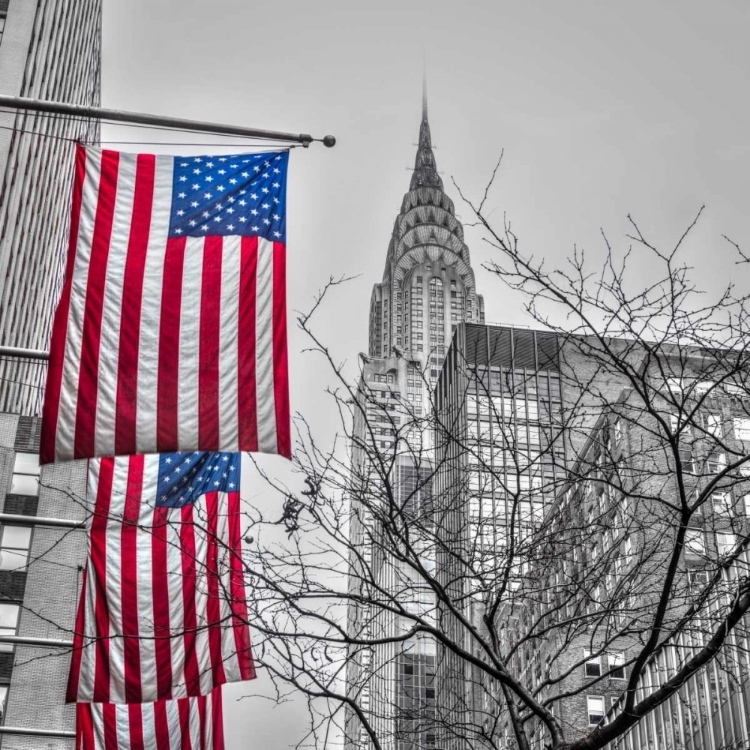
(170, 334)
(162, 613)
(186, 724)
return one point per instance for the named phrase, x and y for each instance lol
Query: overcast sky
(603, 110)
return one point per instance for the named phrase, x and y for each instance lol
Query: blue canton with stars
(184, 477)
(243, 195)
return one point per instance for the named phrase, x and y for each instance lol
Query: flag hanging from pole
(170, 333)
(186, 724)
(162, 613)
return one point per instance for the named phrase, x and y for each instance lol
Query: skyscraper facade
(428, 289)
(48, 50)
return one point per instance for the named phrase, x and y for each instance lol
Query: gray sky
(603, 109)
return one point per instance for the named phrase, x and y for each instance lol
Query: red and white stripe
(186, 724)
(162, 344)
(163, 613)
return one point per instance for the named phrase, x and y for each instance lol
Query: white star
(168, 461)
(178, 231)
(275, 200)
(223, 158)
(209, 179)
(254, 196)
(232, 181)
(277, 234)
(231, 485)
(196, 187)
(180, 213)
(265, 190)
(207, 195)
(220, 188)
(234, 166)
(243, 219)
(183, 164)
(194, 204)
(219, 206)
(243, 203)
(183, 178)
(266, 205)
(230, 199)
(217, 218)
(276, 170)
(276, 185)
(276, 217)
(196, 171)
(242, 192)
(205, 227)
(164, 498)
(253, 212)
(256, 229)
(198, 159)
(182, 195)
(222, 171)
(257, 169)
(205, 214)
(230, 227)
(225, 458)
(246, 174)
(209, 164)
(266, 221)
(230, 210)
(216, 483)
(192, 223)
(266, 175)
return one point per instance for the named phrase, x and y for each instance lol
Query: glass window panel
(13, 559)
(17, 537)
(595, 709)
(3, 698)
(8, 615)
(24, 484)
(26, 463)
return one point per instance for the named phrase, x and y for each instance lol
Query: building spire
(425, 169)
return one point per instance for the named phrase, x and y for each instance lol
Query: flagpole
(159, 121)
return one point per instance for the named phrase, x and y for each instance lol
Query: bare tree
(545, 533)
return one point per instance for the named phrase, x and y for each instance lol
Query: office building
(49, 50)
(428, 289)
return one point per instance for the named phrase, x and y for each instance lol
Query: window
(25, 474)
(694, 541)
(741, 428)
(616, 666)
(716, 462)
(713, 424)
(593, 665)
(596, 709)
(686, 461)
(722, 503)
(725, 543)
(8, 622)
(14, 547)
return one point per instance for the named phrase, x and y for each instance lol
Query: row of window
(714, 424)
